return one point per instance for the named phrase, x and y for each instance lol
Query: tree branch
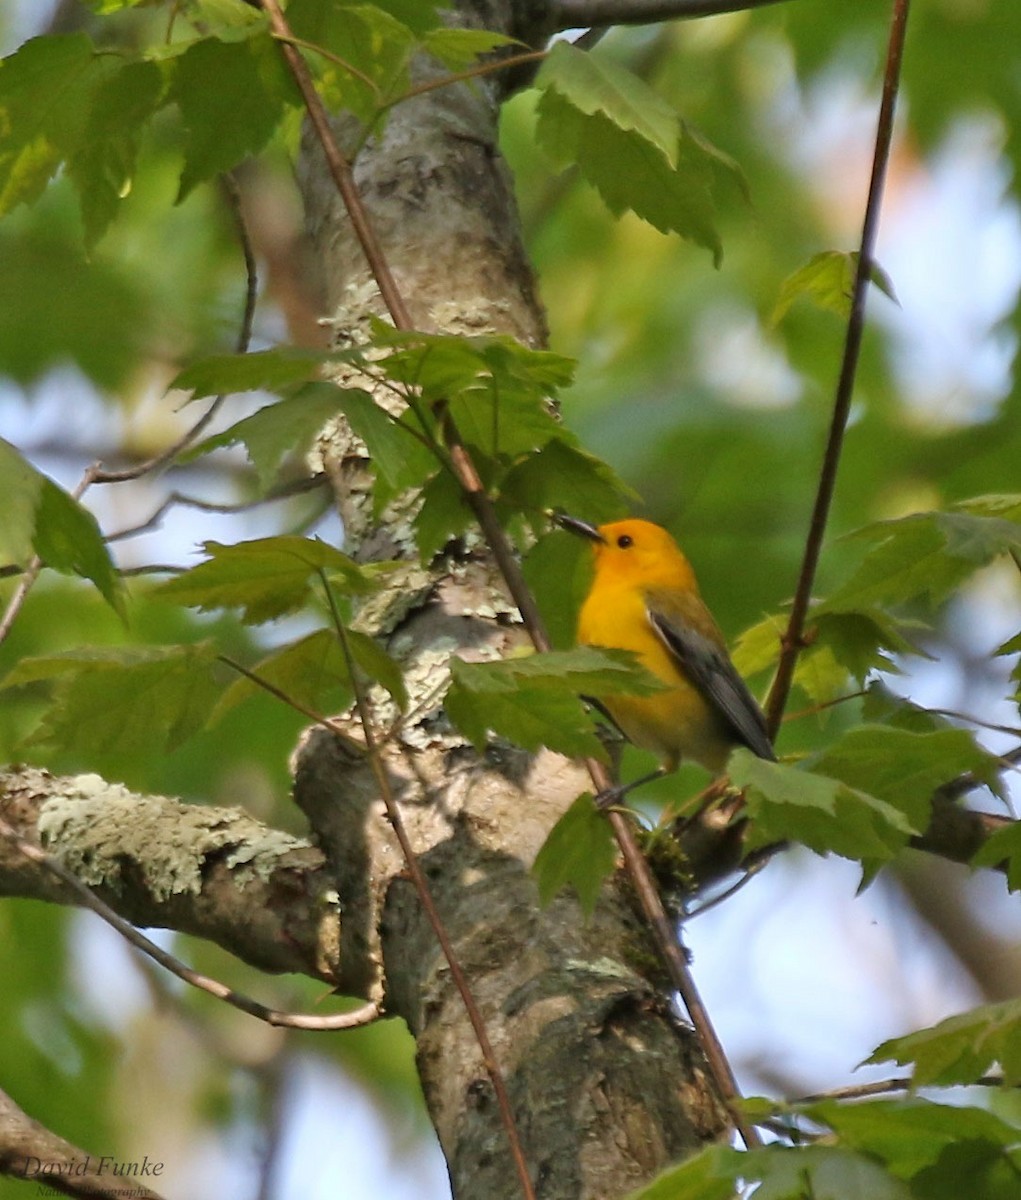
(216, 873)
(30, 1151)
(581, 14)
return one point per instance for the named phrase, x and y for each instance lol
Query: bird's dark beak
(581, 528)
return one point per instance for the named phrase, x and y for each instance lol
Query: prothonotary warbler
(644, 598)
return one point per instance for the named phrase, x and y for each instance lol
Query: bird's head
(634, 552)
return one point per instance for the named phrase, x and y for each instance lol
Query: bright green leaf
(399, 459)
(266, 578)
(823, 1173)
(782, 1173)
(375, 47)
(709, 1175)
(580, 850)
(41, 518)
(444, 514)
(828, 280)
(971, 1167)
(374, 661)
(528, 715)
(563, 476)
(961, 1049)
(460, 48)
(534, 700)
(558, 570)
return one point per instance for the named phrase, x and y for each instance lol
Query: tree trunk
(607, 1085)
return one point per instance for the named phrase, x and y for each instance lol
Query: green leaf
(444, 514)
(443, 366)
(823, 1173)
(782, 1173)
(562, 476)
(376, 46)
(66, 311)
(630, 146)
(311, 671)
(262, 370)
(581, 851)
(961, 1049)
(371, 658)
(399, 459)
(103, 166)
(460, 48)
(709, 1175)
(534, 700)
(927, 555)
(971, 1167)
(827, 279)
(124, 699)
(41, 518)
(45, 89)
(911, 1134)
(759, 646)
(226, 122)
(1003, 846)
(266, 578)
(558, 571)
(823, 814)
(287, 427)
(902, 768)
(593, 85)
(861, 640)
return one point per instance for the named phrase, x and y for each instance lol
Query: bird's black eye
(625, 540)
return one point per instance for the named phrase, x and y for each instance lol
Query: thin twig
(322, 52)
(862, 1091)
(295, 488)
(486, 68)
(578, 14)
(793, 637)
(361, 1016)
(421, 884)
(474, 490)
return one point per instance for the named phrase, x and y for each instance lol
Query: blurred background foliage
(712, 411)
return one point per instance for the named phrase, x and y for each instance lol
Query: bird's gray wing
(710, 670)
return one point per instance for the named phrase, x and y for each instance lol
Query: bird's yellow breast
(675, 724)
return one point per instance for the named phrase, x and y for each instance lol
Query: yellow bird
(644, 598)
